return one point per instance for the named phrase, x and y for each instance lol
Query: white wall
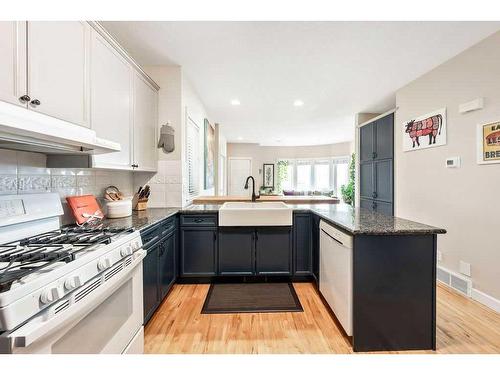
(464, 201)
(195, 108)
(176, 99)
(271, 154)
(166, 185)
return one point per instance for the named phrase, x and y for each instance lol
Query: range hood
(23, 129)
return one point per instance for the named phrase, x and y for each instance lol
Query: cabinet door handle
(374, 194)
(374, 205)
(24, 99)
(374, 155)
(198, 220)
(35, 102)
(215, 236)
(256, 236)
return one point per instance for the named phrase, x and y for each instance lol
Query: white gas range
(67, 290)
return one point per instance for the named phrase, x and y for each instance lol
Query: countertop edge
(211, 210)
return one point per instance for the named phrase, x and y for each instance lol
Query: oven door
(100, 319)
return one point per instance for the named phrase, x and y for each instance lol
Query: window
(322, 176)
(192, 158)
(342, 172)
(313, 175)
(303, 177)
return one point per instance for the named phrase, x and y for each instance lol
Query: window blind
(192, 159)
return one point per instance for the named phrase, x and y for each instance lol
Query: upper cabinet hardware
(24, 99)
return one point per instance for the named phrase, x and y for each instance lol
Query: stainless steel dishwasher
(335, 282)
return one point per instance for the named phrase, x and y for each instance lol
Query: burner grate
(38, 253)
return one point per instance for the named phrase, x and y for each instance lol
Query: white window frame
(332, 162)
(190, 194)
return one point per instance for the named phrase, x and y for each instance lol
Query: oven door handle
(30, 333)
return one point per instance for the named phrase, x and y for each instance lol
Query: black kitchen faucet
(254, 197)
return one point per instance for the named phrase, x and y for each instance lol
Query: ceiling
(336, 68)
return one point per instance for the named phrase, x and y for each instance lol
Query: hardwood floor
(463, 326)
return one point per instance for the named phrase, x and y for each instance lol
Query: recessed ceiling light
(235, 102)
(298, 103)
(240, 138)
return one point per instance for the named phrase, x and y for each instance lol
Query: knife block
(139, 204)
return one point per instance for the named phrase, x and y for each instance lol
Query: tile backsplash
(26, 173)
(166, 184)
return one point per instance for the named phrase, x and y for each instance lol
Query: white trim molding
(486, 300)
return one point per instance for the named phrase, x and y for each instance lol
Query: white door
(145, 124)
(13, 62)
(58, 71)
(239, 170)
(111, 100)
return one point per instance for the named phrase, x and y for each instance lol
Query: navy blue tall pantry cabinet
(376, 165)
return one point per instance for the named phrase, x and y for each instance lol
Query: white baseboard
(486, 300)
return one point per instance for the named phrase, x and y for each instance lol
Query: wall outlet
(464, 268)
(439, 256)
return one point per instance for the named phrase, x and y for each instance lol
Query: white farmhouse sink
(249, 214)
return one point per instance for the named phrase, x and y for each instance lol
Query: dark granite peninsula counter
(392, 263)
(352, 220)
(360, 221)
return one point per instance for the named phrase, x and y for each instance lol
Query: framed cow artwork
(425, 131)
(488, 143)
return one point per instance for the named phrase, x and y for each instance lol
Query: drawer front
(167, 226)
(150, 236)
(199, 220)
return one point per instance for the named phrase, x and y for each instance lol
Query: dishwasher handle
(333, 238)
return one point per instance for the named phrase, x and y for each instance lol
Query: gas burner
(19, 259)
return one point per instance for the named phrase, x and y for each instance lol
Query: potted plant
(347, 190)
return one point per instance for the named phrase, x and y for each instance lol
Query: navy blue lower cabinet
(315, 246)
(302, 244)
(394, 292)
(167, 265)
(273, 249)
(150, 273)
(236, 251)
(198, 251)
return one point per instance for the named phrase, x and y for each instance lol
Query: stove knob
(136, 245)
(50, 295)
(72, 282)
(103, 263)
(126, 251)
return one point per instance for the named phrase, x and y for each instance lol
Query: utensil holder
(139, 204)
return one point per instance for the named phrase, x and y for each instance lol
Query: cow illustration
(493, 139)
(430, 126)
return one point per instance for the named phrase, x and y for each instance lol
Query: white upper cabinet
(111, 102)
(58, 73)
(145, 125)
(13, 62)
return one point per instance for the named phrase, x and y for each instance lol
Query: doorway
(239, 169)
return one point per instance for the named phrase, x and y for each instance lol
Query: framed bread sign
(488, 145)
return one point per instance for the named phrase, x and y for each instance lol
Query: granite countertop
(142, 219)
(353, 220)
(362, 221)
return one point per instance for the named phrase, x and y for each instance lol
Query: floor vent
(456, 281)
